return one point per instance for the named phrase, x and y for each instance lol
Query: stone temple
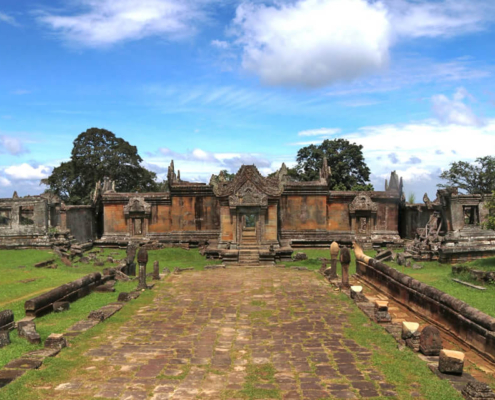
(252, 219)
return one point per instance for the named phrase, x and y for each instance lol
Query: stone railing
(469, 324)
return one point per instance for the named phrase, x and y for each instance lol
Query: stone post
(334, 254)
(142, 259)
(345, 260)
(130, 265)
(156, 271)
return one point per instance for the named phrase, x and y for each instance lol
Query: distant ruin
(253, 219)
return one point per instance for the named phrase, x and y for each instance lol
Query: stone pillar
(334, 254)
(4, 338)
(345, 260)
(156, 271)
(142, 261)
(130, 265)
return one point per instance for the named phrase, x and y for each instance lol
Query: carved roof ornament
(248, 195)
(272, 186)
(171, 176)
(363, 202)
(137, 205)
(325, 171)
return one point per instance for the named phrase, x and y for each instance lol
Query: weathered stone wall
(413, 217)
(303, 212)
(469, 324)
(81, 222)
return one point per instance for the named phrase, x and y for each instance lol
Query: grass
(257, 375)
(400, 369)
(176, 257)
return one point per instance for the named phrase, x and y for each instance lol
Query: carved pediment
(137, 206)
(363, 202)
(248, 195)
(249, 173)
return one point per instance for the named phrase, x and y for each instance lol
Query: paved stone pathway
(211, 334)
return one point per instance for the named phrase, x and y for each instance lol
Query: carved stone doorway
(249, 226)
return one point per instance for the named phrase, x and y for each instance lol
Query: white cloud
(4, 181)
(313, 42)
(220, 44)
(455, 111)
(12, 145)
(107, 22)
(26, 171)
(320, 132)
(8, 19)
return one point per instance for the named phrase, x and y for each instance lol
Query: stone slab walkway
(218, 334)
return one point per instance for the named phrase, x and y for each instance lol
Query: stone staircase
(249, 249)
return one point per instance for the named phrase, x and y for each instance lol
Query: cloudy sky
(214, 84)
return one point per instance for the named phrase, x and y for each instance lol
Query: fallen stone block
(413, 341)
(385, 255)
(84, 260)
(56, 340)
(6, 320)
(300, 256)
(27, 330)
(381, 311)
(124, 297)
(476, 390)
(43, 353)
(409, 329)
(430, 342)
(82, 326)
(98, 263)
(215, 266)
(24, 363)
(66, 261)
(44, 264)
(134, 294)
(60, 306)
(104, 312)
(9, 375)
(451, 362)
(4, 338)
(357, 293)
(166, 271)
(108, 287)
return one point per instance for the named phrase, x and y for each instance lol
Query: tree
(345, 159)
(96, 154)
(490, 220)
(476, 178)
(228, 176)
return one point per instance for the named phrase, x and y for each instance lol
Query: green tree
(476, 178)
(98, 153)
(490, 220)
(345, 159)
(411, 198)
(228, 176)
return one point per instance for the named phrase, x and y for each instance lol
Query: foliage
(411, 198)
(228, 176)
(490, 220)
(96, 154)
(477, 178)
(346, 160)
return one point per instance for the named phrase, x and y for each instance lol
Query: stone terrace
(207, 331)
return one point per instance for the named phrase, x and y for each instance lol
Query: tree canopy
(98, 153)
(346, 160)
(476, 178)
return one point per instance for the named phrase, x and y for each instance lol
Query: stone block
(409, 329)
(6, 319)
(417, 266)
(385, 255)
(9, 375)
(430, 342)
(124, 297)
(4, 338)
(27, 330)
(300, 256)
(476, 390)
(60, 306)
(381, 311)
(451, 362)
(357, 293)
(56, 340)
(413, 341)
(24, 363)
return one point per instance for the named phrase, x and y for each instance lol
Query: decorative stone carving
(137, 205)
(248, 195)
(363, 202)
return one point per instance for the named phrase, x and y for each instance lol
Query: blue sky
(215, 84)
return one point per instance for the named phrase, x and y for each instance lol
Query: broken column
(345, 260)
(411, 334)
(156, 271)
(430, 342)
(6, 320)
(27, 330)
(357, 294)
(142, 259)
(451, 362)
(381, 311)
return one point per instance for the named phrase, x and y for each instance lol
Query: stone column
(156, 271)
(142, 261)
(334, 254)
(345, 260)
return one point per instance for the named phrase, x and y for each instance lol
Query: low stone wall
(468, 323)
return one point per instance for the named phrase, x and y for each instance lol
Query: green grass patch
(258, 375)
(258, 303)
(71, 362)
(400, 368)
(177, 257)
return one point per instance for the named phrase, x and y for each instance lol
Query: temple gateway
(252, 219)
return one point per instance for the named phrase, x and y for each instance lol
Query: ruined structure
(251, 218)
(43, 221)
(448, 229)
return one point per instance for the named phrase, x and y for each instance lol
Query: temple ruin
(252, 219)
